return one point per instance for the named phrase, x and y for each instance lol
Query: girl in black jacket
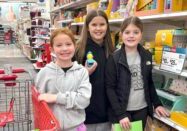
(129, 83)
(95, 37)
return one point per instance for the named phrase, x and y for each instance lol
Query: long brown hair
(81, 44)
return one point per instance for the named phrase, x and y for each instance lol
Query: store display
(179, 85)
(179, 118)
(1, 34)
(165, 25)
(173, 59)
(149, 7)
(173, 5)
(172, 38)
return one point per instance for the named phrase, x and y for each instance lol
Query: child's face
(63, 47)
(131, 36)
(97, 28)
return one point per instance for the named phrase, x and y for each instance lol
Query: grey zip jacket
(73, 91)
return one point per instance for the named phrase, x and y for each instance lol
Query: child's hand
(161, 111)
(49, 98)
(125, 123)
(92, 68)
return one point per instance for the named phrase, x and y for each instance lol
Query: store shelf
(79, 24)
(43, 18)
(183, 73)
(53, 28)
(167, 95)
(176, 16)
(170, 123)
(167, 16)
(39, 26)
(41, 37)
(38, 48)
(65, 21)
(73, 5)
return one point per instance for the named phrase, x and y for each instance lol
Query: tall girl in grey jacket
(64, 84)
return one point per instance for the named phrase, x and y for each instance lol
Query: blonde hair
(61, 31)
(81, 44)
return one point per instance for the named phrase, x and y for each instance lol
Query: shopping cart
(15, 113)
(44, 120)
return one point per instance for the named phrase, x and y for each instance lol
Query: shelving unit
(176, 16)
(170, 123)
(1, 35)
(65, 21)
(152, 23)
(39, 17)
(182, 74)
(73, 5)
(39, 37)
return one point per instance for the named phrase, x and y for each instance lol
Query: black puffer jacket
(118, 83)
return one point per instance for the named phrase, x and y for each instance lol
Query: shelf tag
(173, 59)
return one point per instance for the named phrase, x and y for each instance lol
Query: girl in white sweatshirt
(64, 84)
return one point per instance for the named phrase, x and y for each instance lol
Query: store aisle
(11, 54)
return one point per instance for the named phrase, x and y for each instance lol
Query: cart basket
(44, 120)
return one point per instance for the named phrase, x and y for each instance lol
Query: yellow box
(76, 19)
(169, 37)
(142, 3)
(173, 5)
(164, 37)
(158, 54)
(180, 118)
(92, 6)
(109, 8)
(159, 9)
(184, 5)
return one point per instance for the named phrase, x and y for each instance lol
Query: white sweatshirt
(73, 91)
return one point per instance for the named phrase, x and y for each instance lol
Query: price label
(173, 59)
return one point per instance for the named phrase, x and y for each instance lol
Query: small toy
(90, 61)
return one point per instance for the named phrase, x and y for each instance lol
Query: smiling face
(131, 36)
(97, 28)
(63, 48)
